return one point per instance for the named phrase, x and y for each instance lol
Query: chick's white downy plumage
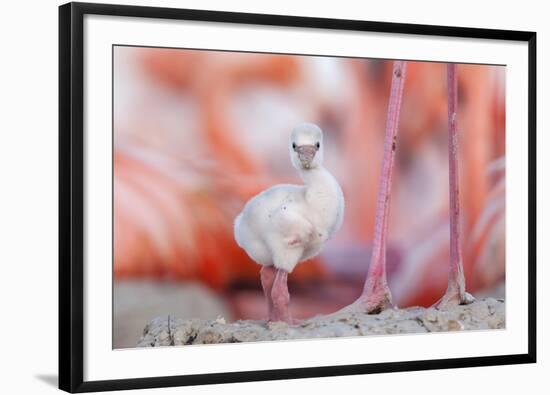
(287, 224)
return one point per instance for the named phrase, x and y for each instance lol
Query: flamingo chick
(287, 224)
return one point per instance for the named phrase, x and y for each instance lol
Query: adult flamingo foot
(453, 297)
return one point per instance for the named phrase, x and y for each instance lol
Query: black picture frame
(71, 195)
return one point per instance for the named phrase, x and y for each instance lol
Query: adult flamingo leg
(456, 288)
(376, 295)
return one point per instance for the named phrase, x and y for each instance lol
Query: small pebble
(455, 325)
(430, 315)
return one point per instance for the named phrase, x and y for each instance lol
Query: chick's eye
(317, 145)
(294, 146)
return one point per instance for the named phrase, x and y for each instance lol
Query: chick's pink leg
(267, 276)
(280, 298)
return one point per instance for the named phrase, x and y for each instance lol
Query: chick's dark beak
(306, 153)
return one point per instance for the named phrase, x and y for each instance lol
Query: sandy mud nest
(482, 314)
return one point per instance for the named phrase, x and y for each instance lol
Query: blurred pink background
(197, 133)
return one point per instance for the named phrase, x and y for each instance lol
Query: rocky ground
(488, 313)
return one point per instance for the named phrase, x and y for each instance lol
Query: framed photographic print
(250, 197)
